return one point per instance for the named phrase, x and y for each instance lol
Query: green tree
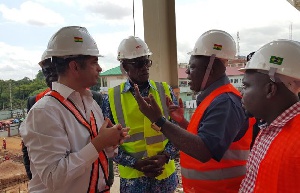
(4, 96)
(40, 76)
(20, 90)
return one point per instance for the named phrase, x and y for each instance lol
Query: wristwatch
(159, 123)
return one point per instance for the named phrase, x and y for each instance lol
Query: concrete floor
(116, 185)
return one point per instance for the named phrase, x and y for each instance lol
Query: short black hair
(62, 64)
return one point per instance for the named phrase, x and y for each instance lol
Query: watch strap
(161, 121)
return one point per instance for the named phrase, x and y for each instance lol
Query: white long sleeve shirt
(60, 151)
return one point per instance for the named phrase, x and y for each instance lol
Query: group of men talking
(72, 134)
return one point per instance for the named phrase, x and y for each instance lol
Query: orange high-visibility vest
(279, 171)
(224, 176)
(102, 160)
(41, 94)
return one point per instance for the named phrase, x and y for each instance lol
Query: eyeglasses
(141, 63)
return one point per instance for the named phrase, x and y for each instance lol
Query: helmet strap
(207, 72)
(271, 73)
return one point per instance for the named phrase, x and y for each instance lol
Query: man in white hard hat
(270, 91)
(146, 159)
(67, 148)
(258, 122)
(214, 146)
(50, 74)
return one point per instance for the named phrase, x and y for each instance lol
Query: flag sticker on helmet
(78, 39)
(276, 60)
(217, 47)
(139, 46)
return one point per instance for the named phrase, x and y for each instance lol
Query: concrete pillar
(160, 35)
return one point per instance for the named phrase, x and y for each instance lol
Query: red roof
(181, 73)
(233, 71)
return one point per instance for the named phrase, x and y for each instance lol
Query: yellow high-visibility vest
(144, 141)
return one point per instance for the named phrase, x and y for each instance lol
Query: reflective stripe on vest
(102, 160)
(149, 140)
(236, 154)
(220, 174)
(231, 169)
(118, 103)
(144, 141)
(138, 136)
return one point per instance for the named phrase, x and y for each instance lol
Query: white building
(111, 78)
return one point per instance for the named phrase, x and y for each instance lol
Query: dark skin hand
(152, 166)
(185, 141)
(177, 112)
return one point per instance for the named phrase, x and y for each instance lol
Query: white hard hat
(216, 42)
(44, 57)
(282, 55)
(281, 60)
(70, 41)
(132, 47)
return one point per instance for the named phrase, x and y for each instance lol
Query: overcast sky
(26, 26)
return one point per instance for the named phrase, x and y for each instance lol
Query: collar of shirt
(222, 81)
(128, 87)
(66, 91)
(284, 117)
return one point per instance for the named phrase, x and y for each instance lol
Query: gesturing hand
(110, 136)
(147, 105)
(176, 112)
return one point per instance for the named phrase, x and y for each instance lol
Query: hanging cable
(133, 18)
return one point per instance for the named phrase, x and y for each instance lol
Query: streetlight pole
(10, 100)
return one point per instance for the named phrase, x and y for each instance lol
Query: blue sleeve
(106, 108)
(171, 150)
(220, 124)
(174, 99)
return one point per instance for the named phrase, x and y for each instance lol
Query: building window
(236, 80)
(183, 83)
(103, 82)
